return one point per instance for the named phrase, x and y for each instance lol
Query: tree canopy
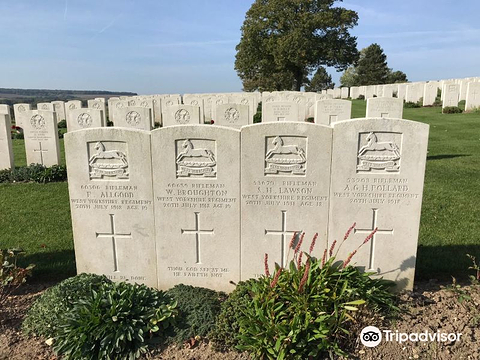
(285, 41)
(320, 81)
(371, 69)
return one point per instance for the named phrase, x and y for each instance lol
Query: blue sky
(188, 46)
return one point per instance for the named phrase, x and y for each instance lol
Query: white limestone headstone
(59, 108)
(414, 92)
(6, 151)
(402, 89)
(379, 90)
(344, 92)
(196, 171)
(274, 111)
(233, 115)
(20, 113)
(463, 89)
(41, 138)
(134, 117)
(45, 107)
(194, 100)
(166, 103)
(472, 96)
(370, 91)
(451, 95)
(85, 118)
(385, 107)
(111, 203)
(378, 168)
(182, 115)
(354, 92)
(72, 105)
(429, 94)
(285, 190)
(157, 106)
(337, 93)
(248, 99)
(99, 104)
(5, 110)
(328, 112)
(388, 91)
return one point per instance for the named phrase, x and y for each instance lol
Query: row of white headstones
(41, 133)
(202, 205)
(452, 92)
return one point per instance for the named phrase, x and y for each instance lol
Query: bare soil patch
(430, 307)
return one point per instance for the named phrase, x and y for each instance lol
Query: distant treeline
(34, 96)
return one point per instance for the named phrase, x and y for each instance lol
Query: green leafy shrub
(109, 123)
(61, 133)
(114, 322)
(257, 118)
(228, 321)
(198, 311)
(11, 275)
(34, 172)
(62, 124)
(17, 132)
(42, 317)
(452, 110)
(438, 102)
(361, 97)
(411, 105)
(305, 311)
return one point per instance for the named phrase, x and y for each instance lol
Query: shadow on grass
(445, 156)
(432, 262)
(443, 262)
(51, 266)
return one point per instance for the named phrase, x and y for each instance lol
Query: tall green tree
(372, 68)
(349, 77)
(320, 81)
(284, 41)
(396, 77)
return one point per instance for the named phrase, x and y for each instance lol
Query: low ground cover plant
(301, 311)
(116, 322)
(91, 317)
(34, 173)
(198, 309)
(411, 105)
(11, 275)
(42, 317)
(452, 110)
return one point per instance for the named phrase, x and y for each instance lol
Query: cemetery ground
(36, 218)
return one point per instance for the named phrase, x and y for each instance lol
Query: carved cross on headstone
(41, 151)
(197, 232)
(373, 240)
(475, 93)
(114, 236)
(286, 234)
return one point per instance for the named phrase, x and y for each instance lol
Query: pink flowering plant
(304, 311)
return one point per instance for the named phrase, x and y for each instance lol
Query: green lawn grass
(36, 217)
(20, 158)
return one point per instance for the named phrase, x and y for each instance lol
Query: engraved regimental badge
(196, 158)
(108, 160)
(285, 155)
(379, 152)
